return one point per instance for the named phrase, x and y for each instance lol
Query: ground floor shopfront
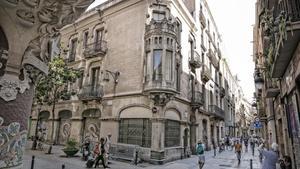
(164, 133)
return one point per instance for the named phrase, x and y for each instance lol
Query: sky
(235, 20)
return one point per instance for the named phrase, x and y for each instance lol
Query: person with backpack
(200, 154)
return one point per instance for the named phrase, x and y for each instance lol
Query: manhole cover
(225, 165)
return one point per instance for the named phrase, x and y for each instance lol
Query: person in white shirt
(107, 146)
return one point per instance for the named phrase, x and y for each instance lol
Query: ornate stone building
(151, 77)
(276, 55)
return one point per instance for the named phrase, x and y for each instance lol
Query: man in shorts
(200, 154)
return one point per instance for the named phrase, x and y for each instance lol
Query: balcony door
(95, 78)
(98, 39)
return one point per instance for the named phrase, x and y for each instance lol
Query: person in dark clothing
(101, 154)
(286, 162)
(214, 146)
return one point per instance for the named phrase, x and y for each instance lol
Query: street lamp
(34, 144)
(258, 80)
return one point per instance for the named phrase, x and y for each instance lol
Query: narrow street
(224, 160)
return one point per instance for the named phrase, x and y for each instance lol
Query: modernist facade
(276, 55)
(153, 76)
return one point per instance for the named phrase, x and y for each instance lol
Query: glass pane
(172, 133)
(148, 65)
(157, 64)
(135, 131)
(169, 65)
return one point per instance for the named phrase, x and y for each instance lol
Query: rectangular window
(172, 133)
(73, 47)
(80, 80)
(85, 39)
(135, 131)
(169, 65)
(177, 76)
(95, 77)
(157, 64)
(98, 39)
(148, 65)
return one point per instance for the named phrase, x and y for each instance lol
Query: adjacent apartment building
(276, 56)
(152, 76)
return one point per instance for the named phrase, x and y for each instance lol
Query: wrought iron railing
(213, 59)
(91, 92)
(195, 59)
(291, 8)
(93, 49)
(205, 75)
(202, 19)
(216, 111)
(197, 99)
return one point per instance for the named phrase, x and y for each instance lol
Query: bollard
(136, 158)
(63, 166)
(32, 162)
(251, 164)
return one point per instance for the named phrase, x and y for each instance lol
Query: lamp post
(34, 144)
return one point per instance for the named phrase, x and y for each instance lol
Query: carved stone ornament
(40, 21)
(12, 144)
(10, 86)
(161, 99)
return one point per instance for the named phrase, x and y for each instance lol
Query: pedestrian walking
(252, 145)
(101, 154)
(200, 152)
(246, 144)
(214, 147)
(227, 142)
(270, 156)
(107, 146)
(238, 151)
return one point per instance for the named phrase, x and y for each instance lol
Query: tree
(52, 87)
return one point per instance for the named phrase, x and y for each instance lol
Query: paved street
(224, 160)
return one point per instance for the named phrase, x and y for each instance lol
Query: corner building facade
(151, 77)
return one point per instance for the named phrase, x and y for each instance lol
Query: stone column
(25, 29)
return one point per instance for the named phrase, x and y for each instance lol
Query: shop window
(135, 131)
(172, 133)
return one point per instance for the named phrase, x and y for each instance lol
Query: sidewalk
(224, 160)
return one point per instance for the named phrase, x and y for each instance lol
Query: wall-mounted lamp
(258, 80)
(114, 75)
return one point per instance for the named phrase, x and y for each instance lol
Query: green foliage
(50, 88)
(71, 143)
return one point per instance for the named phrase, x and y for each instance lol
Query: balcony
(95, 49)
(158, 27)
(91, 92)
(211, 55)
(197, 100)
(288, 39)
(202, 19)
(195, 60)
(222, 92)
(272, 89)
(160, 91)
(205, 75)
(216, 112)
